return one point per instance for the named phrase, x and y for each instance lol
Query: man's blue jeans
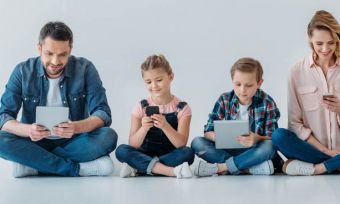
(61, 156)
(236, 160)
(144, 160)
(293, 147)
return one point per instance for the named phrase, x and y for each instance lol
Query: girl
(312, 142)
(157, 142)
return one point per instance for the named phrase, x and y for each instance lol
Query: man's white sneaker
(183, 171)
(102, 166)
(298, 168)
(204, 168)
(20, 170)
(265, 168)
(127, 171)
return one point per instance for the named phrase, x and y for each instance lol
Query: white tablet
(50, 117)
(226, 132)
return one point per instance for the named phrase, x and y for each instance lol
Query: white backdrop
(201, 39)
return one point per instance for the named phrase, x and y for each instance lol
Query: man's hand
(248, 141)
(65, 130)
(37, 132)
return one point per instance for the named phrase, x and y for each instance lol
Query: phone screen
(150, 110)
(327, 96)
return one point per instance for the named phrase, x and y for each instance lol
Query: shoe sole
(284, 167)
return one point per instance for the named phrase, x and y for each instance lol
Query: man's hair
(248, 65)
(57, 31)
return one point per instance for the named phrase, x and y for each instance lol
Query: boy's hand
(159, 121)
(147, 123)
(248, 141)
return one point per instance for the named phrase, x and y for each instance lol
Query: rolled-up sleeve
(96, 96)
(11, 99)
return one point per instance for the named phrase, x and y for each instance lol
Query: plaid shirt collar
(235, 104)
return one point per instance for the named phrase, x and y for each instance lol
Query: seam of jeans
(232, 168)
(77, 170)
(151, 165)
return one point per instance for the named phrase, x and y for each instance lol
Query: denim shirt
(80, 87)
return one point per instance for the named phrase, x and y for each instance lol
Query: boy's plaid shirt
(263, 112)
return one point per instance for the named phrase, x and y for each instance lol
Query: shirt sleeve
(11, 99)
(295, 122)
(218, 113)
(185, 112)
(95, 95)
(137, 111)
(272, 117)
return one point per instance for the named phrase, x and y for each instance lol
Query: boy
(245, 102)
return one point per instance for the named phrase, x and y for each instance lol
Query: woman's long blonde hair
(323, 20)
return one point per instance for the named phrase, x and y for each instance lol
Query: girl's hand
(147, 123)
(332, 104)
(159, 121)
(248, 141)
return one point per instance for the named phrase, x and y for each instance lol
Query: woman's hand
(332, 152)
(332, 104)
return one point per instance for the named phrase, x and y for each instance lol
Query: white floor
(223, 189)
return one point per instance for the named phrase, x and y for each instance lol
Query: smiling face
(54, 56)
(245, 86)
(323, 44)
(158, 82)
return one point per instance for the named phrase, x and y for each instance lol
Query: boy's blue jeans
(236, 160)
(61, 156)
(293, 147)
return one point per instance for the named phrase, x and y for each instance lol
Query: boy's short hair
(248, 65)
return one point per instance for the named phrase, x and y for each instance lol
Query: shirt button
(61, 86)
(75, 99)
(64, 102)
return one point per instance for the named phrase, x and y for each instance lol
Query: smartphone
(150, 110)
(327, 95)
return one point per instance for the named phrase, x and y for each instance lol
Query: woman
(312, 143)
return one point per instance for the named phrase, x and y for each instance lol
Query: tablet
(50, 117)
(226, 132)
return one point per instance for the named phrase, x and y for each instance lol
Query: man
(57, 78)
